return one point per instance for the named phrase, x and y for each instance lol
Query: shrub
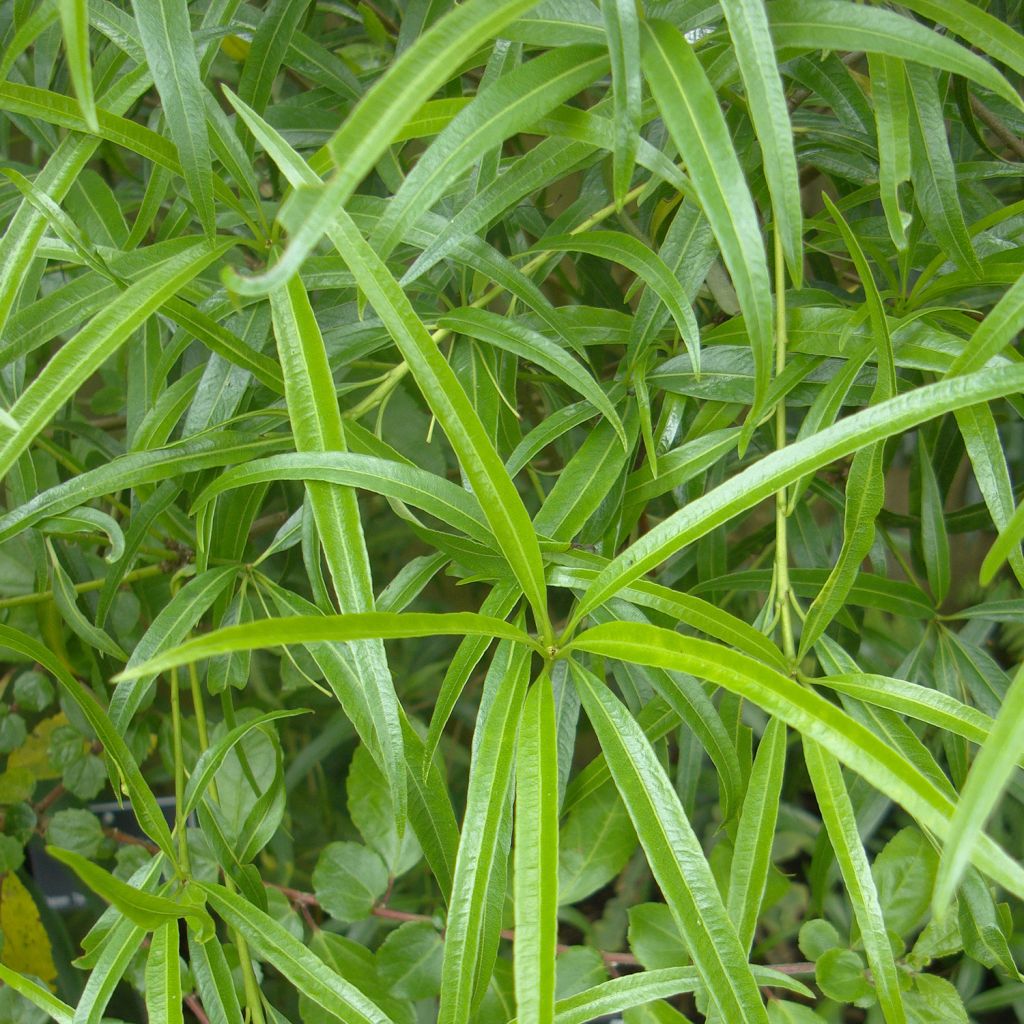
(519, 501)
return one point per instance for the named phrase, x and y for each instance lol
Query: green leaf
(372, 812)
(622, 26)
(778, 470)
(317, 427)
(409, 484)
(305, 629)
(507, 106)
(594, 845)
(934, 1000)
(79, 358)
(892, 114)
(144, 909)
(536, 857)
(409, 960)
(521, 341)
(988, 460)
(752, 849)
(379, 116)
(932, 171)
(163, 977)
(37, 995)
(144, 804)
(748, 29)
(213, 757)
(498, 497)
(303, 968)
(673, 851)
(636, 989)
(841, 976)
(818, 24)
(988, 777)
(805, 711)
(1006, 543)
(348, 880)
(479, 882)
(695, 122)
(74, 20)
(171, 57)
(648, 266)
(841, 825)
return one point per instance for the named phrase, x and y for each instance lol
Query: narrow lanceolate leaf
(1006, 544)
(378, 118)
(622, 26)
(213, 757)
(163, 977)
(144, 804)
(512, 337)
(840, 821)
(144, 909)
(784, 467)
(913, 700)
(171, 55)
(752, 851)
(536, 856)
(510, 522)
(892, 114)
(470, 938)
(988, 460)
(934, 538)
(755, 53)
(979, 27)
(647, 265)
(306, 629)
(303, 968)
(38, 995)
(809, 713)
(825, 24)
(988, 777)
(74, 20)
(509, 105)
(697, 126)
(410, 484)
(316, 426)
(674, 854)
(634, 990)
(80, 357)
(932, 171)
(1002, 324)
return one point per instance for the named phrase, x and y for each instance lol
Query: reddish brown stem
(304, 900)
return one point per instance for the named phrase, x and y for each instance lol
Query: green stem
(42, 596)
(782, 590)
(179, 775)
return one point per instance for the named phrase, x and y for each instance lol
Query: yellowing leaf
(235, 47)
(26, 946)
(33, 754)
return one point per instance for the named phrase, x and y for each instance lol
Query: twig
(998, 127)
(196, 1008)
(304, 900)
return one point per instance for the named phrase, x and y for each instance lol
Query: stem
(42, 596)
(179, 774)
(306, 899)
(782, 590)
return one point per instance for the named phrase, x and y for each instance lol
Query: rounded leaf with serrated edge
(348, 880)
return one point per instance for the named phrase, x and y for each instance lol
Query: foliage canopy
(522, 500)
